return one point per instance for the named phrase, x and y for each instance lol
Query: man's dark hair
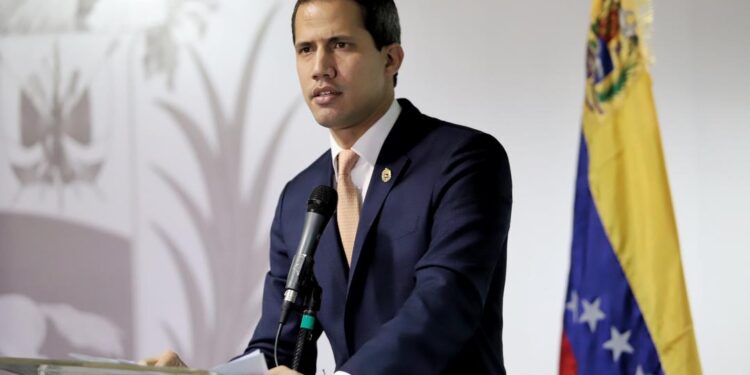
(380, 18)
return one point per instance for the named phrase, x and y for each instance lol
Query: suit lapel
(394, 157)
(376, 195)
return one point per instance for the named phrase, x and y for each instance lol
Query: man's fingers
(166, 359)
(148, 361)
(169, 359)
(283, 370)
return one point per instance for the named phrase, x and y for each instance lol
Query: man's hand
(283, 370)
(166, 359)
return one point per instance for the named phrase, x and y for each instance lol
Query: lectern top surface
(33, 366)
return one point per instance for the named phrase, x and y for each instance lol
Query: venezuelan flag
(627, 309)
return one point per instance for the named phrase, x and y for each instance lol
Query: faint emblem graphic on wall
(57, 121)
(65, 266)
(50, 59)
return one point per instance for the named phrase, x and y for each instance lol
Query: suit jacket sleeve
(472, 203)
(273, 292)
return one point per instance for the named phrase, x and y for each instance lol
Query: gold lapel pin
(386, 175)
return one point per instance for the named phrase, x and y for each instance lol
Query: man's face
(345, 80)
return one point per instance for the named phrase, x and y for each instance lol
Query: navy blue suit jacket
(424, 294)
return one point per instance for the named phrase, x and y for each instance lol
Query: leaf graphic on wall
(161, 45)
(229, 229)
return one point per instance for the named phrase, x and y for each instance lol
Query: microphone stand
(311, 293)
(301, 284)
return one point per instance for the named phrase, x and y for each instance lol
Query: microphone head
(323, 201)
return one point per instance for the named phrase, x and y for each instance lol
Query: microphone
(320, 208)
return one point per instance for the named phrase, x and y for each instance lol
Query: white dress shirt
(368, 148)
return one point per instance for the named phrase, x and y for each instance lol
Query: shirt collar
(369, 144)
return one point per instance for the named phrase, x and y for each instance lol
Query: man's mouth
(325, 95)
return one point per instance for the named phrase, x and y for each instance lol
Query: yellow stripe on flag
(628, 181)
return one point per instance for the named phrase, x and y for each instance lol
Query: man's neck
(347, 137)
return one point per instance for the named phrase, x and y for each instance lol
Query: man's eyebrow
(338, 38)
(333, 39)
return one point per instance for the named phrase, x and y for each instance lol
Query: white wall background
(513, 69)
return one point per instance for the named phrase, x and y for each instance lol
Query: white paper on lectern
(250, 364)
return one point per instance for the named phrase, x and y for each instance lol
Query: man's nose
(325, 66)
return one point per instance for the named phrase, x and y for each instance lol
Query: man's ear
(394, 55)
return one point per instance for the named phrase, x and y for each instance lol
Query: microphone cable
(276, 345)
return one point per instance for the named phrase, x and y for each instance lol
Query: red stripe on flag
(568, 365)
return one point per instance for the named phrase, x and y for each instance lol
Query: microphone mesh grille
(323, 200)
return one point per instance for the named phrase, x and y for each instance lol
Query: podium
(32, 366)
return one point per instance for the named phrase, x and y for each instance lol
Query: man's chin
(329, 125)
(329, 121)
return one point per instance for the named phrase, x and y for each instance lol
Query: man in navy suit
(421, 291)
(415, 286)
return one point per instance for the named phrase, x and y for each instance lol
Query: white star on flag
(592, 314)
(639, 371)
(618, 344)
(572, 305)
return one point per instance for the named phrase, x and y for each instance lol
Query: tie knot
(347, 159)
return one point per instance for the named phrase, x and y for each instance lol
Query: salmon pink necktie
(347, 211)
